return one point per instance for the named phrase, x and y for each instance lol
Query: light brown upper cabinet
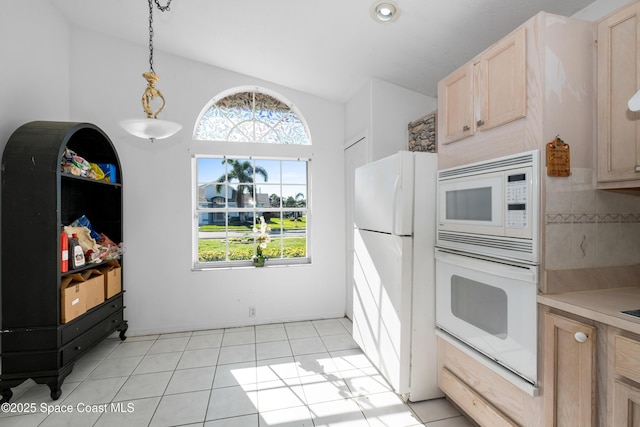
(618, 80)
(501, 82)
(456, 92)
(534, 84)
(486, 92)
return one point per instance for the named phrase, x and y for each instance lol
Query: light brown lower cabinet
(626, 397)
(591, 377)
(626, 405)
(471, 402)
(570, 372)
(485, 396)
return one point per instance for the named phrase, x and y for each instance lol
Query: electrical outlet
(252, 311)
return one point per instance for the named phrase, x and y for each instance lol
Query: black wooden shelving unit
(37, 199)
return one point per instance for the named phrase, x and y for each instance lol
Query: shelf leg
(123, 330)
(6, 395)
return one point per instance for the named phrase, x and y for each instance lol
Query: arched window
(233, 192)
(252, 116)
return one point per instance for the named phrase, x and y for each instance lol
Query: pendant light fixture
(151, 127)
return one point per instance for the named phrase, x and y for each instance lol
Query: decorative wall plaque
(558, 159)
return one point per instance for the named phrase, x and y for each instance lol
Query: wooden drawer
(82, 324)
(471, 402)
(627, 358)
(87, 340)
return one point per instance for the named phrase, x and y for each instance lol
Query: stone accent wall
(423, 133)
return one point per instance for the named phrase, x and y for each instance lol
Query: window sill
(300, 262)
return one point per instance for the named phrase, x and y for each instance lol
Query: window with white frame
(233, 192)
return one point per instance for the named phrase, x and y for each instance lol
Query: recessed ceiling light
(385, 12)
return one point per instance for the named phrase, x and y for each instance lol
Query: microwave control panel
(517, 198)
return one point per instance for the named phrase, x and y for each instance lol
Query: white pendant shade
(634, 102)
(150, 128)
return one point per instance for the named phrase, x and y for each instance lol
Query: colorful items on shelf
(83, 245)
(64, 251)
(76, 165)
(76, 254)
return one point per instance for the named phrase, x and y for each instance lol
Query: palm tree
(300, 202)
(295, 202)
(243, 171)
(274, 200)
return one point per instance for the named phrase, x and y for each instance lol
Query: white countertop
(603, 306)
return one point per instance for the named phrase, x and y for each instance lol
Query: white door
(356, 154)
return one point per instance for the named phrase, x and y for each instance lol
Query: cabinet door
(626, 398)
(502, 84)
(569, 372)
(626, 405)
(618, 80)
(455, 98)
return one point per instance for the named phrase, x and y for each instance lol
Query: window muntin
(232, 195)
(252, 116)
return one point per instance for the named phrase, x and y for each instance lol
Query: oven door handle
(526, 273)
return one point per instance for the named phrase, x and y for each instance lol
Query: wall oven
(491, 307)
(487, 260)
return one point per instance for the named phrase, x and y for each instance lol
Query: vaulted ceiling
(328, 48)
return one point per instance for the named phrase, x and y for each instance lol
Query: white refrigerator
(394, 270)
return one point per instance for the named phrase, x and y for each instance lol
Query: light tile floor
(292, 374)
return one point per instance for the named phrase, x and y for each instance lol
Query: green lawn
(274, 223)
(243, 249)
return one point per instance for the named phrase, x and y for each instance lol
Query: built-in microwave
(492, 207)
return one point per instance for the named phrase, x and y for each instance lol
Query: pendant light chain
(162, 9)
(150, 127)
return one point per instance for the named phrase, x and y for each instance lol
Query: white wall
(394, 108)
(600, 8)
(163, 293)
(35, 65)
(52, 72)
(383, 111)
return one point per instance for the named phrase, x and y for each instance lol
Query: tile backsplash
(588, 228)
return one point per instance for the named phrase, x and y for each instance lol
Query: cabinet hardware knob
(637, 168)
(465, 128)
(580, 336)
(480, 122)
(79, 348)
